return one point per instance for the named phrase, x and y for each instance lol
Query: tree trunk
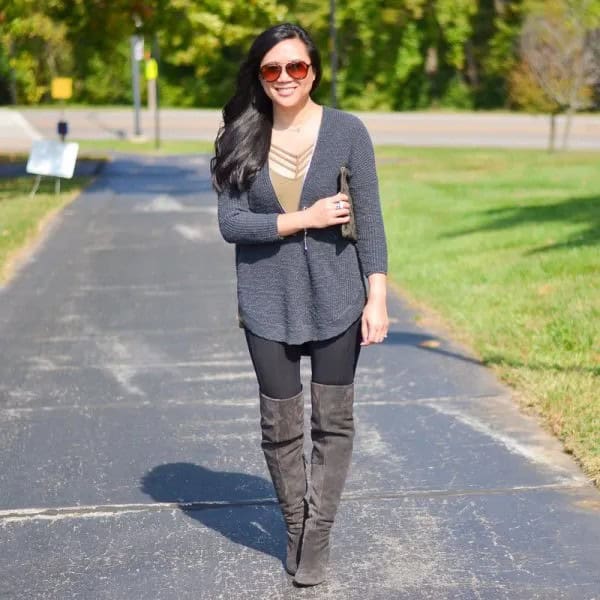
(12, 88)
(472, 71)
(12, 82)
(552, 132)
(567, 130)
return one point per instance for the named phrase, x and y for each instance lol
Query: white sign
(50, 157)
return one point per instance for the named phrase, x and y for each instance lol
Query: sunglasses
(296, 69)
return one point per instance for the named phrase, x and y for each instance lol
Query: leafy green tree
(491, 51)
(559, 44)
(393, 54)
(203, 42)
(403, 54)
(34, 50)
(99, 32)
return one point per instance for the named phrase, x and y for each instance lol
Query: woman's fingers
(340, 209)
(380, 335)
(364, 330)
(339, 202)
(372, 332)
(333, 210)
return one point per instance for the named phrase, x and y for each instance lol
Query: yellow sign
(151, 69)
(62, 88)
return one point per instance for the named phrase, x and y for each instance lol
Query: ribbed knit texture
(286, 292)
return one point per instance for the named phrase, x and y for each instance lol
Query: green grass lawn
(504, 246)
(21, 216)
(103, 147)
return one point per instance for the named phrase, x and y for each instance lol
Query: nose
(284, 77)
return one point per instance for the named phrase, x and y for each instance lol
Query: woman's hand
(325, 212)
(375, 323)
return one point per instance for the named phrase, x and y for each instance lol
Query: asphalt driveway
(129, 432)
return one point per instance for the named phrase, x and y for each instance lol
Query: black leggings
(277, 364)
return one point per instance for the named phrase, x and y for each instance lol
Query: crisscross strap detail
(284, 162)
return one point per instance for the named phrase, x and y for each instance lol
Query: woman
(301, 285)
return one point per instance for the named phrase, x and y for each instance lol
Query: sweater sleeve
(239, 225)
(371, 244)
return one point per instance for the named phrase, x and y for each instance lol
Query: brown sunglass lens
(270, 72)
(297, 70)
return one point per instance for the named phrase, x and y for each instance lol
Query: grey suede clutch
(349, 228)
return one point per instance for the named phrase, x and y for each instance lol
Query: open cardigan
(310, 285)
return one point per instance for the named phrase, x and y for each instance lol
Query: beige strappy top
(287, 172)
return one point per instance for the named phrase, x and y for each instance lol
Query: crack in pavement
(15, 410)
(107, 510)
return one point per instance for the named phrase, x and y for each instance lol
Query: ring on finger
(338, 204)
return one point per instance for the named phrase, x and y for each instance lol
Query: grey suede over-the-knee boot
(282, 424)
(332, 431)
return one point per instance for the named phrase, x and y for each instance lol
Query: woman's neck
(293, 117)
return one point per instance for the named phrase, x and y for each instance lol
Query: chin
(290, 102)
(285, 104)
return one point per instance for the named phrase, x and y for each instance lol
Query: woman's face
(286, 91)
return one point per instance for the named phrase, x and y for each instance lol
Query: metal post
(333, 42)
(135, 81)
(151, 95)
(36, 185)
(156, 53)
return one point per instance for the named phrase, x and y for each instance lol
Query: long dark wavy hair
(242, 143)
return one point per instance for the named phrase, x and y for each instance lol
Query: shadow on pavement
(240, 507)
(84, 167)
(429, 343)
(185, 174)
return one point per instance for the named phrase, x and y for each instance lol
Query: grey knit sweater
(301, 287)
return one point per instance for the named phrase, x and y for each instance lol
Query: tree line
(392, 54)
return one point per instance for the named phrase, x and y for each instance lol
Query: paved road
(131, 465)
(410, 128)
